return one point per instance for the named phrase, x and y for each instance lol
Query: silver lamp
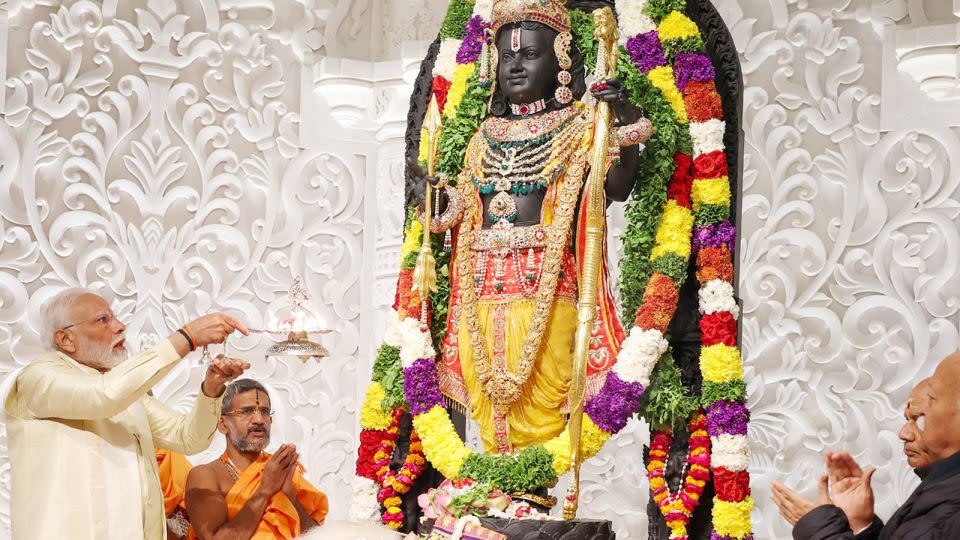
(298, 329)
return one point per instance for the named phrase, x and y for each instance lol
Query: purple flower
(646, 52)
(612, 406)
(692, 67)
(473, 39)
(727, 417)
(715, 236)
(421, 385)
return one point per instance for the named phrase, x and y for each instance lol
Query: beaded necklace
(521, 157)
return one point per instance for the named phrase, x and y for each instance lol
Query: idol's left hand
(615, 93)
(220, 372)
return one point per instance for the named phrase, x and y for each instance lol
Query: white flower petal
(632, 20)
(707, 136)
(483, 8)
(446, 62)
(732, 452)
(639, 354)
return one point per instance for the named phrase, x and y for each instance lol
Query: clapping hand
(845, 485)
(794, 506)
(850, 488)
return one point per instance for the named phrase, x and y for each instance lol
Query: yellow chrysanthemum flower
(559, 448)
(721, 363)
(372, 415)
(673, 232)
(711, 191)
(458, 87)
(677, 26)
(411, 239)
(424, 146)
(442, 445)
(662, 78)
(593, 438)
(732, 519)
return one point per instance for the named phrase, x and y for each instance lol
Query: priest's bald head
(939, 413)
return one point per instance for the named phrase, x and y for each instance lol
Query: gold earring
(561, 47)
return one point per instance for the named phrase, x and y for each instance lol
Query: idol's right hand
(416, 181)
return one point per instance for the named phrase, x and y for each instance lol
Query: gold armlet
(632, 134)
(450, 216)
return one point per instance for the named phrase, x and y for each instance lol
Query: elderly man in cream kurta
(81, 428)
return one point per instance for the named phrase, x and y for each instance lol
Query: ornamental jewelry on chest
(524, 156)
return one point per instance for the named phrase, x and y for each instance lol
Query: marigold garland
(393, 484)
(710, 193)
(678, 508)
(667, 51)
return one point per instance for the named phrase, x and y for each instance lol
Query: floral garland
(667, 42)
(678, 508)
(688, 102)
(396, 484)
(380, 425)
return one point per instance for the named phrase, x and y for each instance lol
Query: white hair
(55, 313)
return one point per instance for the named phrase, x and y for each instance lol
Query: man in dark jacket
(931, 441)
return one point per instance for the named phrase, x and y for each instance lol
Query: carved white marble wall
(189, 156)
(850, 236)
(152, 150)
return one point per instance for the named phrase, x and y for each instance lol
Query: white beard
(101, 358)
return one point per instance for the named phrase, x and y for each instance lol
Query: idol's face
(527, 65)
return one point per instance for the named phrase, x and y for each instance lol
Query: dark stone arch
(684, 331)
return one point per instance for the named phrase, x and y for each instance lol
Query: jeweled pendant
(502, 207)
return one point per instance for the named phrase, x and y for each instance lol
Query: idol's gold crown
(552, 13)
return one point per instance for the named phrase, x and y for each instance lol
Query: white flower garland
(446, 62)
(707, 136)
(732, 452)
(408, 336)
(639, 354)
(364, 507)
(483, 8)
(632, 20)
(716, 297)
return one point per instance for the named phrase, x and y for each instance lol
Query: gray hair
(55, 313)
(240, 386)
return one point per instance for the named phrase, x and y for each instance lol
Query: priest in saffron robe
(247, 493)
(173, 467)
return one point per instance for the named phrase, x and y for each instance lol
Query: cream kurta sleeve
(55, 390)
(189, 433)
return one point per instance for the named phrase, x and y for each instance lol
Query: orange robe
(280, 519)
(173, 468)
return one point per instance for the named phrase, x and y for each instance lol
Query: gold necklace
(523, 156)
(502, 386)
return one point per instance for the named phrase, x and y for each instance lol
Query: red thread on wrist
(193, 338)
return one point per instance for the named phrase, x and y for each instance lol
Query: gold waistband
(533, 236)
